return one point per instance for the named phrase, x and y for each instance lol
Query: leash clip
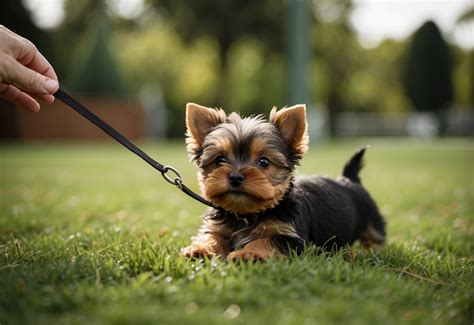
(177, 181)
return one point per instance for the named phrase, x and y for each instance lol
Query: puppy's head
(245, 164)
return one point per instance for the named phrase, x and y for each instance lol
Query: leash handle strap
(78, 107)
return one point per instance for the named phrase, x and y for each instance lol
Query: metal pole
(298, 51)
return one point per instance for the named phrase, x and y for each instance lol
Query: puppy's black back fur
(337, 212)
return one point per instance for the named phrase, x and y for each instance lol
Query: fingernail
(51, 86)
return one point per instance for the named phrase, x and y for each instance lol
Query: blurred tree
(463, 75)
(226, 22)
(257, 78)
(184, 72)
(336, 48)
(96, 73)
(378, 68)
(73, 35)
(428, 72)
(68, 36)
(466, 16)
(80, 14)
(464, 71)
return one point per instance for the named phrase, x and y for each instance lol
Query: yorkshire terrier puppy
(246, 168)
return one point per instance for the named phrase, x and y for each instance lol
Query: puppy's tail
(354, 165)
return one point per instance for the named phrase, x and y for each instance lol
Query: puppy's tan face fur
(245, 164)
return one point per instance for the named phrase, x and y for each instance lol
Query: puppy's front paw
(248, 255)
(257, 250)
(198, 251)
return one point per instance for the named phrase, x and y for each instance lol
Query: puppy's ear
(291, 122)
(199, 122)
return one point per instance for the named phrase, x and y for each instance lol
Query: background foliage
(232, 55)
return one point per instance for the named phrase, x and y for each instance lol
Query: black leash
(177, 181)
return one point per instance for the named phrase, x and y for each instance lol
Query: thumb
(29, 80)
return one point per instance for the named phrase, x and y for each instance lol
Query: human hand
(25, 75)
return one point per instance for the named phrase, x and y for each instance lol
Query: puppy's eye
(263, 162)
(220, 160)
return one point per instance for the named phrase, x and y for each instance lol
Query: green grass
(91, 234)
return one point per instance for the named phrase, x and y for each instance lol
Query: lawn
(90, 234)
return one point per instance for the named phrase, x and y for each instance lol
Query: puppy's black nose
(236, 179)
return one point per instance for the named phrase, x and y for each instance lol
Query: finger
(6, 30)
(43, 98)
(47, 98)
(16, 96)
(33, 59)
(41, 65)
(28, 80)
